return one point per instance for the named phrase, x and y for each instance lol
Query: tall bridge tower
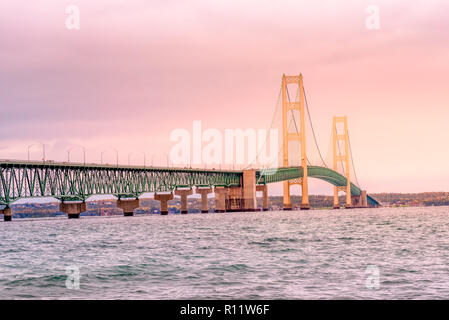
(343, 158)
(299, 135)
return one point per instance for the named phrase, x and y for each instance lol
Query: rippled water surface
(317, 254)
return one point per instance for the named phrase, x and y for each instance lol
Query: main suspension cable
(271, 126)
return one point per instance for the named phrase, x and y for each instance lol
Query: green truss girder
(323, 173)
(66, 181)
(78, 182)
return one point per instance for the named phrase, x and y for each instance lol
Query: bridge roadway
(73, 183)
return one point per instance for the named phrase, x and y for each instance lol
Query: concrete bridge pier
(360, 201)
(128, 206)
(249, 190)
(183, 193)
(234, 199)
(163, 198)
(73, 209)
(220, 199)
(363, 199)
(7, 214)
(204, 192)
(264, 189)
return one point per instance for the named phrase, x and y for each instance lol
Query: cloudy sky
(136, 70)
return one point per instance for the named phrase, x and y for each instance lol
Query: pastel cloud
(138, 69)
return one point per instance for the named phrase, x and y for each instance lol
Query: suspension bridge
(235, 190)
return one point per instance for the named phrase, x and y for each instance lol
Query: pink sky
(136, 70)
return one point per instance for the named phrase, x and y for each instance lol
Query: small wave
(281, 240)
(284, 250)
(230, 268)
(238, 266)
(25, 296)
(401, 270)
(392, 282)
(43, 281)
(261, 244)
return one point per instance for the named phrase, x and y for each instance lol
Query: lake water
(316, 254)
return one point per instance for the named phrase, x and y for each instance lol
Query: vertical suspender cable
(311, 125)
(352, 160)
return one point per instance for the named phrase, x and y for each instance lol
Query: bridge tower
(300, 136)
(344, 158)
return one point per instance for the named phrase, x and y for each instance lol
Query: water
(318, 254)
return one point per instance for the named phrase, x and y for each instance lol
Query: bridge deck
(77, 181)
